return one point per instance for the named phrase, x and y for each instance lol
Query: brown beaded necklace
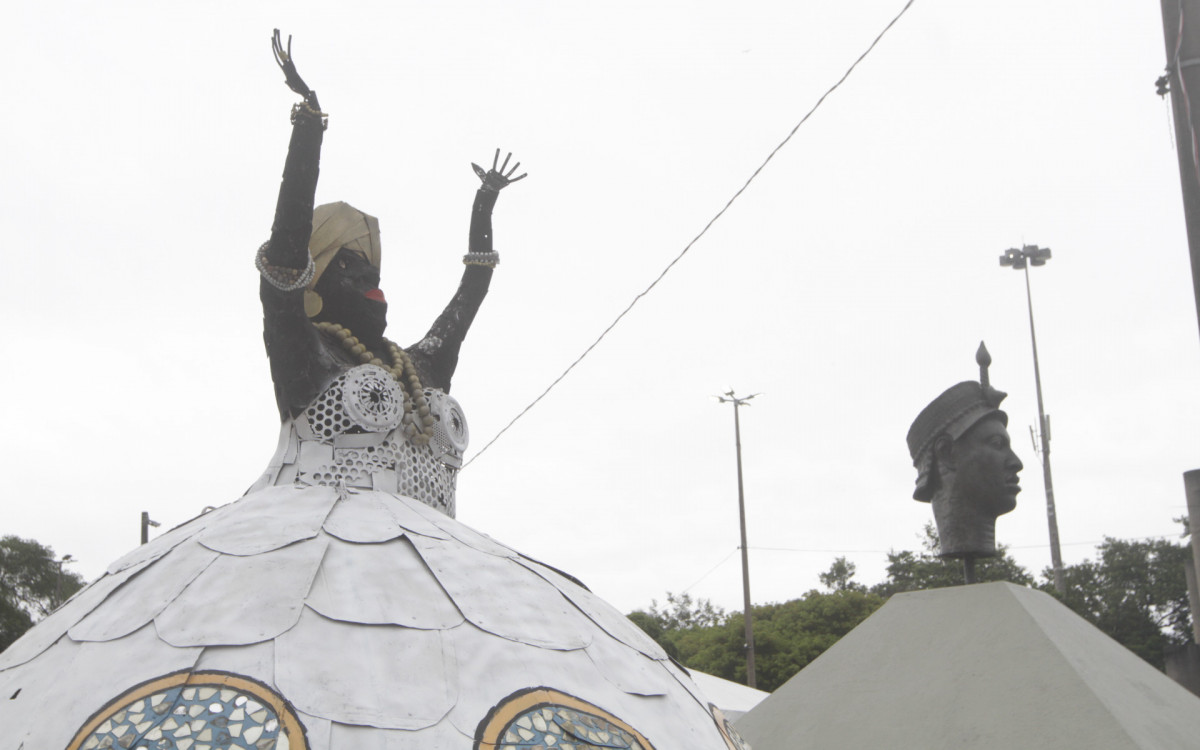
(401, 368)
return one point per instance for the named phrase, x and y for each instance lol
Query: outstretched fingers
(500, 175)
(509, 174)
(282, 56)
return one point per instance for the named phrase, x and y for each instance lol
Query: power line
(731, 552)
(1096, 543)
(823, 551)
(711, 570)
(1102, 541)
(695, 239)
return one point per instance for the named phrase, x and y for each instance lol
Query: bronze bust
(965, 465)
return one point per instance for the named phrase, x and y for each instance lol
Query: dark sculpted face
(349, 289)
(986, 468)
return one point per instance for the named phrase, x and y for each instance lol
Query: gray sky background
(850, 284)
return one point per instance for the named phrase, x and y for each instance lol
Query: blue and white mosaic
(190, 717)
(549, 727)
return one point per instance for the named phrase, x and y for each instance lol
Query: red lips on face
(375, 294)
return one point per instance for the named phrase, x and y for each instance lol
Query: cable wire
(711, 570)
(696, 239)
(1152, 537)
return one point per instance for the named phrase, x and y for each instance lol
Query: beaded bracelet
(282, 278)
(491, 260)
(304, 109)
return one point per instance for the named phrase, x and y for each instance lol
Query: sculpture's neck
(964, 530)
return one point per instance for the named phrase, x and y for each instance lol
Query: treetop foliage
(839, 575)
(684, 613)
(787, 635)
(1135, 591)
(32, 585)
(918, 571)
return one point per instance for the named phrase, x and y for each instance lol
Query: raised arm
(299, 364)
(437, 353)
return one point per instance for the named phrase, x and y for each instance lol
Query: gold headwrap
(338, 225)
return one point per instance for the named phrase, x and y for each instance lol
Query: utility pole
(1032, 255)
(1181, 32)
(1191, 486)
(737, 435)
(146, 524)
(1181, 29)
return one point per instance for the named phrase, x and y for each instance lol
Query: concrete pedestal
(988, 667)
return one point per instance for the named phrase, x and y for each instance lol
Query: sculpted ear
(943, 451)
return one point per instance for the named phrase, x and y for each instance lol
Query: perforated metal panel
(367, 400)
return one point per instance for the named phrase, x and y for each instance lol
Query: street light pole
(737, 434)
(1021, 260)
(146, 524)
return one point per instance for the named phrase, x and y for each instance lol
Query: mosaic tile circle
(194, 711)
(728, 733)
(546, 719)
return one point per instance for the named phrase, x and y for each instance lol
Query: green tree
(917, 571)
(654, 628)
(787, 636)
(32, 585)
(839, 575)
(683, 613)
(1136, 592)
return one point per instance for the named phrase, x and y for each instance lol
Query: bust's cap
(954, 412)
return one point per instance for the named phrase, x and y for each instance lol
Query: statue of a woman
(337, 604)
(341, 377)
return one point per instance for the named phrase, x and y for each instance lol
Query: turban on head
(338, 225)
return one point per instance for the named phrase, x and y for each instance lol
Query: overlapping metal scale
(279, 516)
(383, 676)
(363, 517)
(242, 600)
(599, 611)
(381, 584)
(49, 630)
(68, 683)
(385, 625)
(500, 596)
(146, 595)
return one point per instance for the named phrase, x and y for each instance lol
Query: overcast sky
(849, 285)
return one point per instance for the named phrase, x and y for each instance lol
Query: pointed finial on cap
(984, 360)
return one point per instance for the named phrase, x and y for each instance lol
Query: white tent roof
(733, 698)
(984, 666)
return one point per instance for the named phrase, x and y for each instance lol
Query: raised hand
(496, 179)
(283, 58)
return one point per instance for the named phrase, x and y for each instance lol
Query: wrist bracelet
(304, 109)
(281, 277)
(491, 260)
